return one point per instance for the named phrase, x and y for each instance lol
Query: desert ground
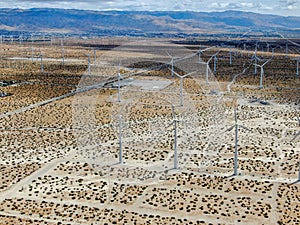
(145, 133)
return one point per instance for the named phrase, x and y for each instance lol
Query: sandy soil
(59, 158)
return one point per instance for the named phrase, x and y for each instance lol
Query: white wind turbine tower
(175, 147)
(230, 56)
(89, 64)
(95, 56)
(262, 72)
(62, 52)
(63, 56)
(215, 62)
(120, 119)
(172, 64)
(119, 83)
(236, 126)
(297, 67)
(207, 68)
(42, 64)
(268, 47)
(273, 51)
(32, 52)
(1, 41)
(181, 84)
(199, 52)
(120, 141)
(20, 39)
(255, 58)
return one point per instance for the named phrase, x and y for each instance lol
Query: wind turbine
(230, 56)
(255, 58)
(268, 47)
(262, 73)
(215, 62)
(174, 123)
(207, 68)
(200, 51)
(42, 65)
(32, 52)
(172, 64)
(63, 56)
(119, 83)
(297, 68)
(89, 64)
(20, 39)
(273, 51)
(236, 126)
(181, 84)
(120, 141)
(95, 56)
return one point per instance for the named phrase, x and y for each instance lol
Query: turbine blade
(210, 59)
(170, 125)
(296, 136)
(266, 62)
(203, 50)
(176, 74)
(188, 74)
(169, 54)
(230, 128)
(246, 128)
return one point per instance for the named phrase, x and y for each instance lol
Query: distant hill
(142, 23)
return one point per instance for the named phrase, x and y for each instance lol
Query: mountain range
(143, 23)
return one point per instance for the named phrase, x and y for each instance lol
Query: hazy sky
(279, 7)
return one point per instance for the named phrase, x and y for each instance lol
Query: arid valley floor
(64, 122)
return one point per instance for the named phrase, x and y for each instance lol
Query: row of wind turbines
(175, 121)
(40, 55)
(254, 60)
